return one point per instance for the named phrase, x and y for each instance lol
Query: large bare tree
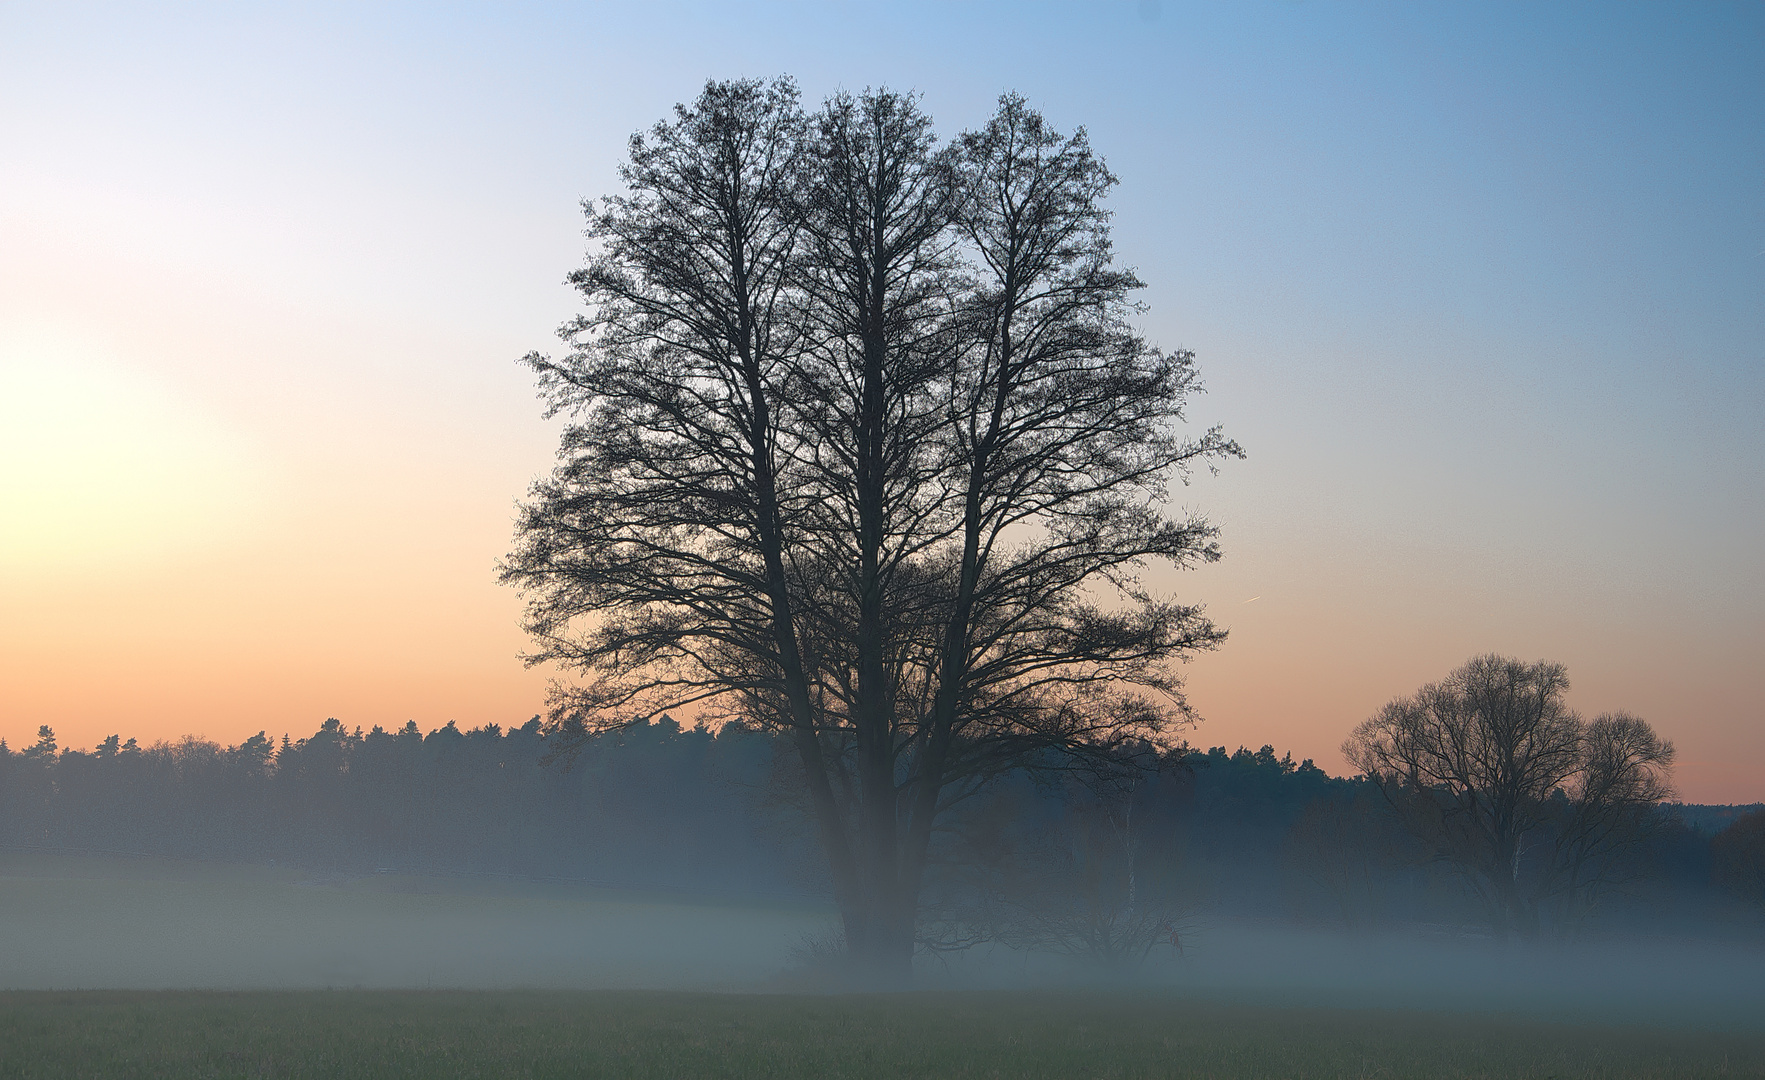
(880, 282)
(654, 558)
(1056, 438)
(866, 449)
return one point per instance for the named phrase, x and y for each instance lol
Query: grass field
(648, 1034)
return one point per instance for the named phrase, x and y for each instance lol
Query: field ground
(374, 1034)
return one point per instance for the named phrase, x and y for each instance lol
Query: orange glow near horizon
(335, 635)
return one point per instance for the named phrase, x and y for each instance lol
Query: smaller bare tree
(1608, 810)
(1492, 769)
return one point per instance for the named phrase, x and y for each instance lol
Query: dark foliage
(655, 806)
(1737, 858)
(1108, 863)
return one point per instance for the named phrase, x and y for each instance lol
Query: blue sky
(1481, 289)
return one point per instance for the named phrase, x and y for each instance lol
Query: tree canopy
(1534, 804)
(864, 447)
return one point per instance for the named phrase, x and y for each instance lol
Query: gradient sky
(1481, 289)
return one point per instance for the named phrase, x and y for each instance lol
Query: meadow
(396, 1034)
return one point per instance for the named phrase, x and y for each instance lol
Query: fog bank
(88, 922)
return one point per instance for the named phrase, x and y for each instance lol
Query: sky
(1480, 288)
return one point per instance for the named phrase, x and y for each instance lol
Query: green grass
(603, 1033)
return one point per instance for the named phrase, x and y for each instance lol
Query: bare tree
(1060, 437)
(879, 281)
(1492, 768)
(866, 450)
(654, 559)
(1608, 809)
(992, 454)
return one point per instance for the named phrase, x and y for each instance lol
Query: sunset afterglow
(1479, 290)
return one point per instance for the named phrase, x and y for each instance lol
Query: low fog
(670, 858)
(82, 922)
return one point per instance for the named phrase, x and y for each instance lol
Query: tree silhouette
(864, 449)
(1492, 767)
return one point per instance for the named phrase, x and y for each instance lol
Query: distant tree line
(656, 806)
(1108, 863)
